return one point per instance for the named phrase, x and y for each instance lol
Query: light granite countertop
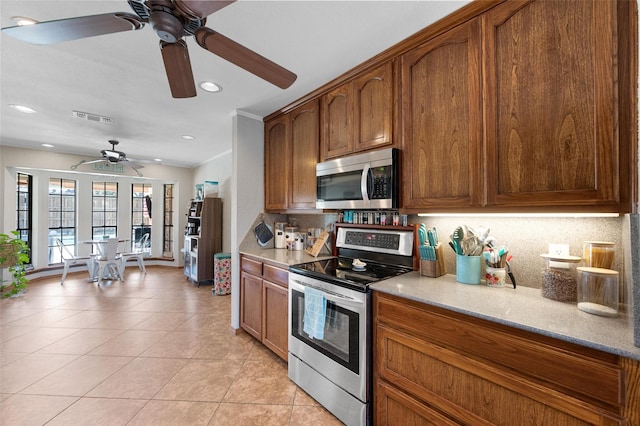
(283, 257)
(522, 308)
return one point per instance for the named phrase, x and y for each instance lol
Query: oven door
(342, 355)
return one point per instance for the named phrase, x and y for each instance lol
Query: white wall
(219, 169)
(247, 199)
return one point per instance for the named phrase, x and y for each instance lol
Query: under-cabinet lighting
(22, 108)
(519, 214)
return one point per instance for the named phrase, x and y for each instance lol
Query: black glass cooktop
(340, 271)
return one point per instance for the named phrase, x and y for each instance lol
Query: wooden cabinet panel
(251, 304)
(442, 122)
(275, 329)
(304, 151)
(264, 304)
(473, 371)
(374, 108)
(550, 93)
(276, 164)
(395, 408)
(358, 115)
(276, 275)
(337, 122)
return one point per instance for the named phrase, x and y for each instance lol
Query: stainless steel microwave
(363, 181)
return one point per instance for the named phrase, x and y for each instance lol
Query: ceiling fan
(172, 20)
(112, 156)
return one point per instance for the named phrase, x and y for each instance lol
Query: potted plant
(13, 255)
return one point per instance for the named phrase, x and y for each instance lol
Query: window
(25, 214)
(141, 213)
(62, 216)
(105, 210)
(167, 241)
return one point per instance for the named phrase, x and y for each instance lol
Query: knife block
(434, 268)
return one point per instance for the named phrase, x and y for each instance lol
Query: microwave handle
(364, 181)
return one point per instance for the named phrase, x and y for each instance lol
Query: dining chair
(137, 253)
(108, 260)
(69, 259)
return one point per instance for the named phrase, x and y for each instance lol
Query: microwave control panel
(381, 183)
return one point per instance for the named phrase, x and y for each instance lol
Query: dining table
(98, 245)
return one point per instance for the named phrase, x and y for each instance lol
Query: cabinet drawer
(276, 275)
(571, 369)
(475, 392)
(251, 266)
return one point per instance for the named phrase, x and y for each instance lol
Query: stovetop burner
(340, 271)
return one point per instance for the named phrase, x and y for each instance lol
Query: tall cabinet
(203, 238)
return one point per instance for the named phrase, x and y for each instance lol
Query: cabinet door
(275, 328)
(549, 103)
(442, 121)
(304, 151)
(337, 122)
(251, 304)
(374, 108)
(276, 164)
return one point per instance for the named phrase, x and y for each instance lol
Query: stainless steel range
(330, 317)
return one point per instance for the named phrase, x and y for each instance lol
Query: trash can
(221, 273)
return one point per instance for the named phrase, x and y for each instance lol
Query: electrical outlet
(559, 249)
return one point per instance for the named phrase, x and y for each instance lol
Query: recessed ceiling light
(210, 86)
(23, 20)
(23, 108)
(47, 145)
(157, 159)
(188, 137)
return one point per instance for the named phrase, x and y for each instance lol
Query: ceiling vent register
(92, 117)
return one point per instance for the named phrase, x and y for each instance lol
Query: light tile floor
(152, 350)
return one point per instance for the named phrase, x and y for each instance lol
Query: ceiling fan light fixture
(23, 20)
(22, 108)
(210, 86)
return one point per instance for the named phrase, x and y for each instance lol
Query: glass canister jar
(290, 237)
(598, 291)
(598, 254)
(559, 278)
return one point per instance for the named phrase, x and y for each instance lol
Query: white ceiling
(122, 75)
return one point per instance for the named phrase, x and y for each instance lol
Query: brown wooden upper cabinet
(527, 107)
(442, 121)
(291, 152)
(550, 104)
(358, 115)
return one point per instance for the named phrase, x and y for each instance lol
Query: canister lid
(555, 258)
(600, 243)
(597, 271)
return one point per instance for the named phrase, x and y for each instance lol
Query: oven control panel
(373, 239)
(378, 240)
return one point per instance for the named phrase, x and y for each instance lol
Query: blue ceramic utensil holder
(468, 269)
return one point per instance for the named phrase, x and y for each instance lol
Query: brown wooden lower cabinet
(264, 304)
(434, 366)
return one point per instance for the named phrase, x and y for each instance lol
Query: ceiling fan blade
(99, 160)
(245, 58)
(51, 32)
(178, 68)
(132, 164)
(201, 9)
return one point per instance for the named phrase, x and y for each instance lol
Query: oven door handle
(338, 299)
